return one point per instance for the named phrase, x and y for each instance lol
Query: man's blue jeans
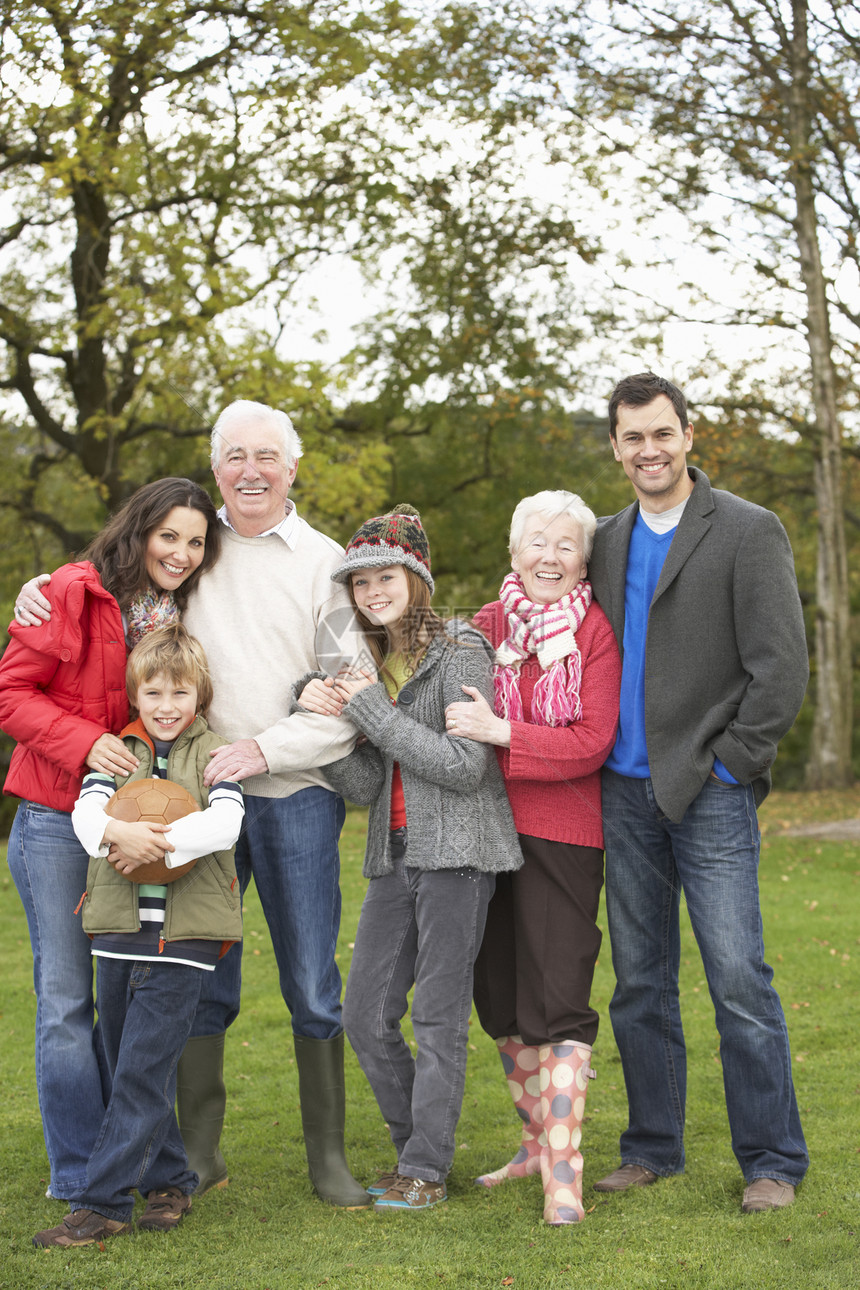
(49, 868)
(713, 854)
(145, 1011)
(290, 847)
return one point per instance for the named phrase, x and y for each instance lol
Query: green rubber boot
(323, 1099)
(201, 1100)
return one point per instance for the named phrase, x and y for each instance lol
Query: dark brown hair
(119, 550)
(637, 391)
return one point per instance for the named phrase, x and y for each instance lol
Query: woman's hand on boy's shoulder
(111, 756)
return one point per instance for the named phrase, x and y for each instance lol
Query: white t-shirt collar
(663, 521)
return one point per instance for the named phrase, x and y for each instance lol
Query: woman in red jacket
(557, 677)
(62, 697)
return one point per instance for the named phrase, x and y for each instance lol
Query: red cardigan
(62, 685)
(552, 774)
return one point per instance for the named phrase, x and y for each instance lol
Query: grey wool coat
(457, 810)
(726, 661)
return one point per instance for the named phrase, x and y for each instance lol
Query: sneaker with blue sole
(411, 1193)
(383, 1182)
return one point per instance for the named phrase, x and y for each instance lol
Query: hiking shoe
(383, 1182)
(626, 1176)
(164, 1209)
(411, 1193)
(767, 1193)
(81, 1227)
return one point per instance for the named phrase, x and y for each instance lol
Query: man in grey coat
(700, 588)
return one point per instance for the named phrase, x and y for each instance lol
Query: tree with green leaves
(172, 170)
(751, 107)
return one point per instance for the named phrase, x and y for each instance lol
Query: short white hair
(241, 412)
(549, 504)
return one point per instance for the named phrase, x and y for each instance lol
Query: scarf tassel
(509, 703)
(556, 701)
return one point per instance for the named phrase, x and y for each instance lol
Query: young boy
(153, 943)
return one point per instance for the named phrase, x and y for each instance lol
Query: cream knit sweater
(266, 614)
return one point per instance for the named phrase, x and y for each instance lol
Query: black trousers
(535, 967)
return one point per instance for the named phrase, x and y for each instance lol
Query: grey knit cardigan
(457, 810)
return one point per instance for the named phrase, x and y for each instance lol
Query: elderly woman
(556, 678)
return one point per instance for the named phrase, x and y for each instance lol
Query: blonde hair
(178, 655)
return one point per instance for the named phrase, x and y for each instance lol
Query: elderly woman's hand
(476, 720)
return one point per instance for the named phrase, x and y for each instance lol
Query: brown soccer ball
(154, 801)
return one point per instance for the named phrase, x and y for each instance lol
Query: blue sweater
(646, 555)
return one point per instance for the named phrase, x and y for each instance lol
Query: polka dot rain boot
(564, 1074)
(522, 1068)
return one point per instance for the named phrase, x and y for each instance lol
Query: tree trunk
(829, 764)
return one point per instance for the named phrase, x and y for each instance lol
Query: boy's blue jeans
(145, 1011)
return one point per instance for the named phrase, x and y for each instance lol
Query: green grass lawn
(266, 1230)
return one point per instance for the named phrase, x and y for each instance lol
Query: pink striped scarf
(549, 632)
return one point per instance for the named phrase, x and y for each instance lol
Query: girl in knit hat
(440, 829)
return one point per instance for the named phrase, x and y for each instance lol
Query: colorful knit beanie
(395, 538)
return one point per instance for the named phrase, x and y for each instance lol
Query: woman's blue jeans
(713, 855)
(49, 868)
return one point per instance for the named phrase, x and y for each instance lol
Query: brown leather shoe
(767, 1193)
(626, 1176)
(81, 1227)
(164, 1210)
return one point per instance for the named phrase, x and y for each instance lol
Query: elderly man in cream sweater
(266, 614)
(263, 616)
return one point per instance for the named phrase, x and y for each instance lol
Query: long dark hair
(119, 550)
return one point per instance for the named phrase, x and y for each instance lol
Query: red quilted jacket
(62, 685)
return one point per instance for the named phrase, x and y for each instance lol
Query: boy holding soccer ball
(152, 942)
